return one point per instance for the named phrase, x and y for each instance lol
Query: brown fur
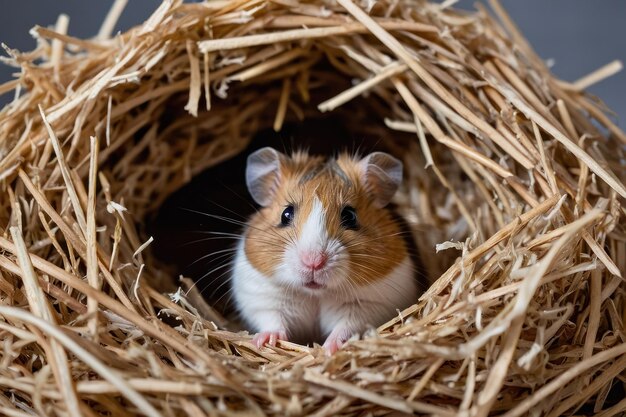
(375, 249)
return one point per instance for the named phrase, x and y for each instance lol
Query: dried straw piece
(505, 172)
(80, 215)
(299, 34)
(194, 82)
(90, 237)
(282, 105)
(111, 19)
(39, 306)
(57, 45)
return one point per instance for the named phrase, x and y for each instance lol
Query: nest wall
(515, 177)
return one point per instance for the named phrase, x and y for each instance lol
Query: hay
(524, 180)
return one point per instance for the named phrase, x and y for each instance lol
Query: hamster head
(323, 226)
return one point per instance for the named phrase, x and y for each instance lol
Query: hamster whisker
(228, 293)
(414, 268)
(244, 217)
(352, 292)
(218, 217)
(244, 224)
(223, 252)
(239, 238)
(287, 240)
(348, 291)
(266, 250)
(364, 279)
(209, 273)
(206, 239)
(212, 232)
(218, 235)
(226, 281)
(360, 243)
(374, 271)
(203, 288)
(396, 289)
(369, 256)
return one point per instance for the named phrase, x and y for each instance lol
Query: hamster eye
(287, 217)
(348, 218)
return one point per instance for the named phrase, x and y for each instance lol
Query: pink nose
(313, 260)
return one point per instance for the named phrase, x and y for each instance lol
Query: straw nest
(518, 175)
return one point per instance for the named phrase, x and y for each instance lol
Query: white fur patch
(314, 236)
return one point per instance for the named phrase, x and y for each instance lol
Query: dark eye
(287, 217)
(348, 218)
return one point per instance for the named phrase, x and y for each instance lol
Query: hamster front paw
(336, 339)
(269, 337)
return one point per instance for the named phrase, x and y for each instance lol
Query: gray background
(579, 35)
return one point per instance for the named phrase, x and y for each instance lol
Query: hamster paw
(269, 338)
(336, 340)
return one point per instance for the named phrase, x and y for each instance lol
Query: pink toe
(331, 348)
(269, 338)
(336, 339)
(260, 339)
(333, 344)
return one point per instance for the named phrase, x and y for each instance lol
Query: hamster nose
(313, 260)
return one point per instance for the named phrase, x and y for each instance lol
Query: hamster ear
(382, 174)
(263, 174)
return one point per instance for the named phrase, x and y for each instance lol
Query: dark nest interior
(513, 188)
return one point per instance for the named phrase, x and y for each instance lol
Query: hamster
(323, 257)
